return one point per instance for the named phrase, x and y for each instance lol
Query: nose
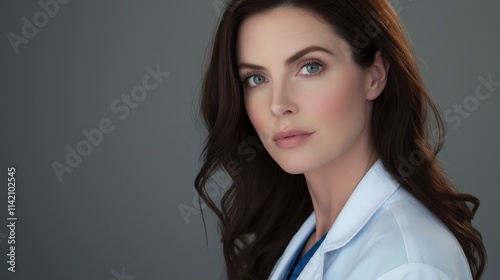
(282, 103)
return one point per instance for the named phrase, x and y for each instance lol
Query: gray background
(119, 208)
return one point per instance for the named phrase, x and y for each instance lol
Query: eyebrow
(289, 60)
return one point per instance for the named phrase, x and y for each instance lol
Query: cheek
(338, 104)
(258, 118)
(252, 112)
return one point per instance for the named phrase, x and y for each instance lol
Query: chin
(294, 171)
(294, 166)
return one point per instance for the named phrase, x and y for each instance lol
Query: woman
(342, 181)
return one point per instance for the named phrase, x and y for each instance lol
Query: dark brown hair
(265, 206)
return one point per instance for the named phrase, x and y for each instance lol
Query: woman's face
(320, 91)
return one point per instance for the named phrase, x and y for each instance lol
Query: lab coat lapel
(280, 269)
(376, 186)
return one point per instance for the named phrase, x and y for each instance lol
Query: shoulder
(415, 271)
(422, 233)
(419, 244)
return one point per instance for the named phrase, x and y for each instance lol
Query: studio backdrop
(101, 135)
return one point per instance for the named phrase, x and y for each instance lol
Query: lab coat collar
(376, 186)
(372, 191)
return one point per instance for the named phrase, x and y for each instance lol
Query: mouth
(293, 136)
(290, 134)
(291, 141)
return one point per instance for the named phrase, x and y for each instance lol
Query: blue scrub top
(296, 266)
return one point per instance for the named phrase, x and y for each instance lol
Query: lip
(290, 133)
(291, 138)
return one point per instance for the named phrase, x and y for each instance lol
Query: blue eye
(313, 68)
(256, 79)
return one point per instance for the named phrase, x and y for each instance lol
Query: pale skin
(323, 92)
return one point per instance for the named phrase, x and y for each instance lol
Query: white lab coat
(382, 233)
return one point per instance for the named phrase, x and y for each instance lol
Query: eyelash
(312, 61)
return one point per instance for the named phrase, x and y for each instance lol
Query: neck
(331, 186)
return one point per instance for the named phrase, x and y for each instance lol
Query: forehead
(280, 32)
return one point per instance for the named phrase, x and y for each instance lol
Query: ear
(377, 76)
